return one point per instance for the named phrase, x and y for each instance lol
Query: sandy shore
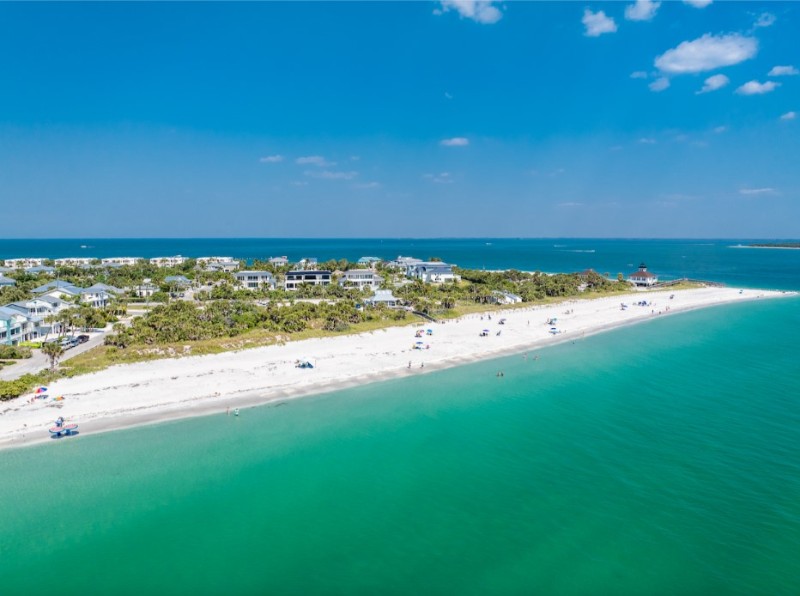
(133, 394)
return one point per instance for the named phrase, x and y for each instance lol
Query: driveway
(39, 361)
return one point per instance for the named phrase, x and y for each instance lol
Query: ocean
(660, 458)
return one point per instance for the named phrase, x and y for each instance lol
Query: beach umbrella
(41, 390)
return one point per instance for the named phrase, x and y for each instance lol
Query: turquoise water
(662, 458)
(714, 260)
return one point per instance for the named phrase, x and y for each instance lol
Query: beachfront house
(120, 261)
(308, 263)
(23, 263)
(74, 262)
(360, 278)
(255, 280)
(501, 297)
(369, 261)
(384, 297)
(642, 277)
(226, 264)
(15, 327)
(43, 269)
(278, 261)
(168, 261)
(38, 310)
(433, 272)
(315, 278)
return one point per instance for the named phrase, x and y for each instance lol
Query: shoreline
(93, 401)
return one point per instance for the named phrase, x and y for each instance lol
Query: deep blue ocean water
(714, 260)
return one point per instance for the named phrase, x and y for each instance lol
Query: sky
(460, 118)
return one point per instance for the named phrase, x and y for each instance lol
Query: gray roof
(180, 279)
(40, 269)
(7, 281)
(103, 288)
(53, 285)
(6, 313)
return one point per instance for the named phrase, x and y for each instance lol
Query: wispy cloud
(448, 95)
(698, 3)
(639, 74)
(271, 159)
(712, 83)
(783, 71)
(707, 53)
(597, 23)
(299, 183)
(455, 142)
(756, 88)
(720, 129)
(765, 19)
(642, 10)
(757, 191)
(367, 185)
(330, 175)
(440, 178)
(647, 141)
(569, 204)
(315, 160)
(480, 11)
(659, 84)
(789, 116)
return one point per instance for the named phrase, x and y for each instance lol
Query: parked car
(83, 338)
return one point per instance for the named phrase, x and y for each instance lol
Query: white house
(308, 263)
(384, 297)
(37, 310)
(255, 280)
(74, 262)
(642, 277)
(360, 278)
(23, 263)
(405, 263)
(37, 269)
(168, 261)
(316, 278)
(502, 297)
(369, 261)
(226, 264)
(15, 327)
(279, 261)
(145, 289)
(120, 261)
(433, 272)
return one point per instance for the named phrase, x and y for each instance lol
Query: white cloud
(647, 141)
(480, 11)
(712, 83)
(789, 116)
(597, 23)
(271, 159)
(783, 71)
(639, 74)
(315, 160)
(642, 10)
(659, 84)
(448, 95)
(756, 88)
(330, 175)
(367, 185)
(720, 129)
(454, 142)
(707, 53)
(440, 178)
(765, 19)
(697, 3)
(757, 191)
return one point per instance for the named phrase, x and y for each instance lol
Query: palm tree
(53, 351)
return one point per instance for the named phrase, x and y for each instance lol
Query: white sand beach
(133, 394)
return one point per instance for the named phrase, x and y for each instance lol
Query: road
(39, 361)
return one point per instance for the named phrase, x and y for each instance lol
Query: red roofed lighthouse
(642, 277)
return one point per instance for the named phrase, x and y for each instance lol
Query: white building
(23, 263)
(168, 261)
(255, 280)
(501, 297)
(120, 261)
(294, 279)
(226, 264)
(145, 289)
(307, 263)
(15, 327)
(642, 277)
(433, 272)
(405, 263)
(360, 278)
(74, 262)
(279, 261)
(384, 297)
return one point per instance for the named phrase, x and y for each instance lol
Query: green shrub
(14, 352)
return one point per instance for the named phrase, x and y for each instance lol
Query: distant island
(776, 245)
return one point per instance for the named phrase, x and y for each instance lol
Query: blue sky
(457, 118)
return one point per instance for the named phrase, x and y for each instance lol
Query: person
(236, 412)
(422, 365)
(409, 364)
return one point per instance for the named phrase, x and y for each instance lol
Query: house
(360, 278)
(4, 270)
(315, 278)
(23, 263)
(309, 263)
(96, 296)
(55, 285)
(279, 261)
(74, 262)
(7, 282)
(15, 327)
(642, 277)
(369, 261)
(433, 272)
(226, 264)
(178, 281)
(145, 289)
(38, 310)
(384, 297)
(120, 261)
(501, 297)
(255, 280)
(168, 261)
(40, 269)
(405, 263)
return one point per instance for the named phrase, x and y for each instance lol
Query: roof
(40, 269)
(308, 272)
(642, 274)
(102, 288)
(383, 296)
(52, 285)
(7, 313)
(177, 278)
(50, 299)
(7, 281)
(259, 273)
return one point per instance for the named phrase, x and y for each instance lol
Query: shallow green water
(659, 459)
